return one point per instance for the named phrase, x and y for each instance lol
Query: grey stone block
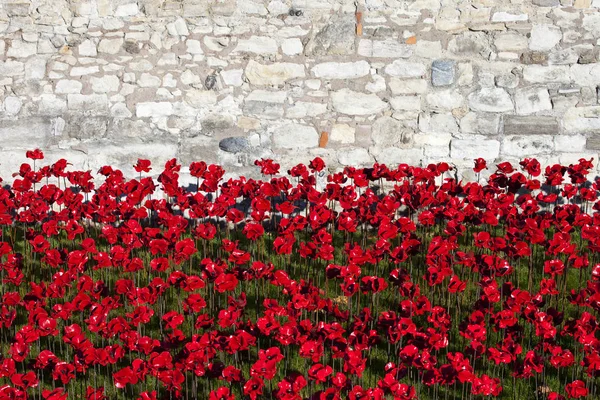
(530, 125)
(442, 72)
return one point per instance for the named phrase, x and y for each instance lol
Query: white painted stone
(490, 100)
(405, 69)
(105, 84)
(342, 133)
(273, 74)
(544, 37)
(295, 136)
(350, 102)
(292, 46)
(153, 109)
(68, 86)
(475, 147)
(341, 70)
(358, 157)
(531, 100)
(257, 45)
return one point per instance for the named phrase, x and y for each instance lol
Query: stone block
(442, 72)
(530, 125)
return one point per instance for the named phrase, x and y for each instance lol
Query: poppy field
(387, 282)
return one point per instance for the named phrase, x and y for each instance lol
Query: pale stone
(388, 131)
(408, 86)
(503, 16)
(341, 70)
(12, 105)
(511, 41)
(355, 157)
(141, 65)
(295, 136)
(233, 77)
(51, 105)
(169, 81)
(527, 145)
(257, 45)
(95, 104)
(302, 109)
(475, 147)
(586, 75)
(11, 68)
(193, 46)
(531, 100)
(582, 119)
(153, 109)
(490, 100)
(544, 37)
(335, 38)
(377, 85)
(178, 28)
(542, 74)
(127, 10)
(273, 74)
(437, 123)
(20, 49)
(68, 87)
(201, 98)
(216, 43)
(445, 99)
(189, 78)
(342, 133)
(81, 71)
(147, 80)
(35, 68)
(406, 103)
(120, 110)
(388, 48)
(393, 156)
(292, 46)
(87, 49)
(480, 123)
(405, 69)
(350, 102)
(530, 125)
(105, 84)
(110, 46)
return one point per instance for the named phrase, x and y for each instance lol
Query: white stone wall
(355, 82)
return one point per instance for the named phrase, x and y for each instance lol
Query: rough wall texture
(107, 81)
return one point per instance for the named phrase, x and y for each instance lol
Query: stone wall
(106, 81)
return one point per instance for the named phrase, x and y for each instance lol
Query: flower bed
(386, 283)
